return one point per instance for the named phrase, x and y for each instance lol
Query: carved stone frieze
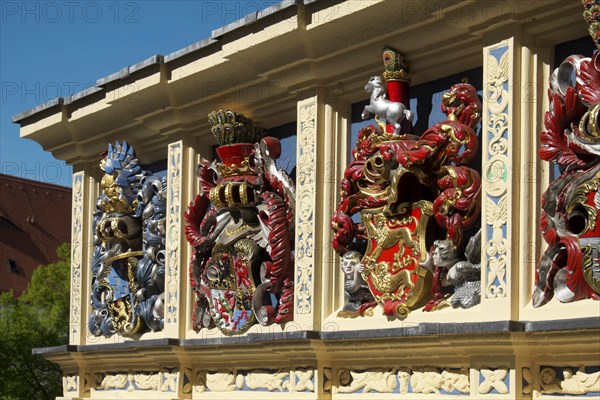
(71, 383)
(494, 381)
(574, 381)
(428, 380)
(165, 380)
(298, 380)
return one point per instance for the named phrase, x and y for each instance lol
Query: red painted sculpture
(409, 191)
(242, 227)
(570, 268)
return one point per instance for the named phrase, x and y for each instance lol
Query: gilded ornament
(409, 190)
(129, 255)
(590, 14)
(241, 230)
(569, 268)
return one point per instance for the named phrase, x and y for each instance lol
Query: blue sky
(55, 48)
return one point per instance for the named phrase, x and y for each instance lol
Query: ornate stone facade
(415, 197)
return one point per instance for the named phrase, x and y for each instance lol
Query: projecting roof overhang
(262, 64)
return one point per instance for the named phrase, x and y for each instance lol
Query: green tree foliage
(39, 318)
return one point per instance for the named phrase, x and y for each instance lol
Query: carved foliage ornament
(129, 247)
(241, 227)
(165, 380)
(427, 380)
(76, 254)
(409, 191)
(570, 268)
(299, 380)
(575, 381)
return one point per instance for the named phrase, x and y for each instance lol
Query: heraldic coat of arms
(411, 199)
(241, 227)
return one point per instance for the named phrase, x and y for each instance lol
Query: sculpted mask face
(444, 253)
(350, 262)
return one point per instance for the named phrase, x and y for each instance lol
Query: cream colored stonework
(309, 67)
(77, 221)
(496, 174)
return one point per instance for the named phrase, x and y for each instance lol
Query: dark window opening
(583, 46)
(158, 168)
(12, 264)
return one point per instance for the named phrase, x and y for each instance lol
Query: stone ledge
(563, 324)
(38, 109)
(253, 17)
(423, 329)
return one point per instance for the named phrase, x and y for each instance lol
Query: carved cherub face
(350, 261)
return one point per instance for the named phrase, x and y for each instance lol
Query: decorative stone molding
(187, 381)
(70, 384)
(165, 380)
(432, 380)
(573, 381)
(496, 174)
(76, 257)
(427, 380)
(173, 242)
(306, 197)
(300, 380)
(527, 381)
(494, 381)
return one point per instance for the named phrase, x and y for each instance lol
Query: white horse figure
(393, 112)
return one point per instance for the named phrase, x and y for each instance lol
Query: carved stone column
(180, 160)
(84, 190)
(318, 123)
(498, 155)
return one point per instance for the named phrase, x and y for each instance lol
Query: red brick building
(35, 218)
